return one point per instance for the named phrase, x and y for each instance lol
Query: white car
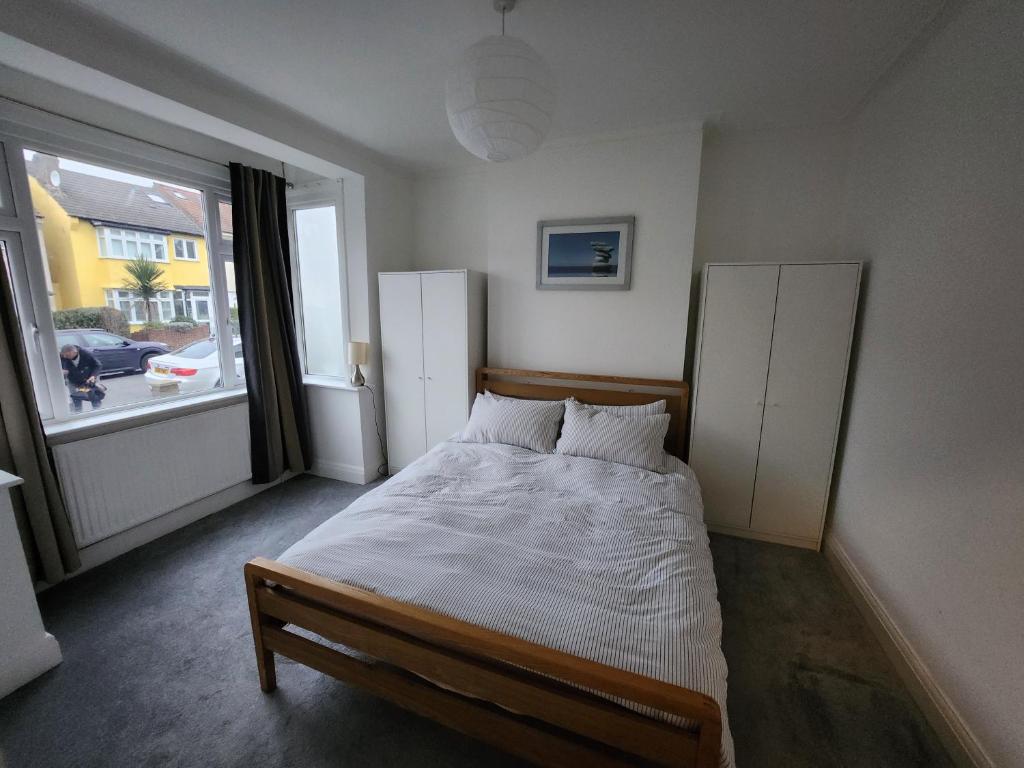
(193, 368)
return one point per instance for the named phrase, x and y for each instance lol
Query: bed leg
(709, 744)
(264, 658)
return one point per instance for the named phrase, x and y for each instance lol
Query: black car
(115, 353)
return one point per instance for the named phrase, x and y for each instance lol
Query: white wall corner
(940, 711)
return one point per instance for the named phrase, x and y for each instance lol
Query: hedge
(107, 318)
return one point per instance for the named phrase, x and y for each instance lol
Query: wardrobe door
(445, 354)
(806, 377)
(735, 342)
(401, 334)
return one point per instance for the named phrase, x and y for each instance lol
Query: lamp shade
(500, 97)
(358, 352)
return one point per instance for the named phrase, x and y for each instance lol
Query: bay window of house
(90, 253)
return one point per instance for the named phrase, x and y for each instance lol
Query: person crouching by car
(81, 372)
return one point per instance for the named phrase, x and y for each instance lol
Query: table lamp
(358, 354)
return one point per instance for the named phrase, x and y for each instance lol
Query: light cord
(382, 469)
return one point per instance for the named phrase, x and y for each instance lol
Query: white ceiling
(374, 70)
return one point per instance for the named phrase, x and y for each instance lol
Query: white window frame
(185, 243)
(106, 235)
(319, 195)
(115, 296)
(23, 128)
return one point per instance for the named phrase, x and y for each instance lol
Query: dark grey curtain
(38, 507)
(278, 431)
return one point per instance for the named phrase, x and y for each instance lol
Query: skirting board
(350, 473)
(773, 538)
(123, 542)
(940, 712)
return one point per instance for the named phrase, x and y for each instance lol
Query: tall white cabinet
(433, 337)
(773, 347)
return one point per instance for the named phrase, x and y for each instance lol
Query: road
(127, 389)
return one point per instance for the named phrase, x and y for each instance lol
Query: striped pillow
(648, 409)
(529, 424)
(638, 441)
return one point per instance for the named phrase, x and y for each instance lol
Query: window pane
(68, 196)
(224, 209)
(226, 228)
(319, 267)
(198, 350)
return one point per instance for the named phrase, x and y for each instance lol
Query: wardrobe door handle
(430, 378)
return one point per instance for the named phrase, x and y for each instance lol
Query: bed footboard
(500, 689)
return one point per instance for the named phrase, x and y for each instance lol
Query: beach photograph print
(585, 254)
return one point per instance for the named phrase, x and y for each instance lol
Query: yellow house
(92, 226)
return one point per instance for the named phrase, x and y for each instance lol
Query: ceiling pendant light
(500, 96)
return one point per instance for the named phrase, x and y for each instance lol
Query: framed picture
(585, 254)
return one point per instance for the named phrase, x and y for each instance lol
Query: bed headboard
(595, 390)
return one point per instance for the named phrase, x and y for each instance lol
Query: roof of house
(113, 202)
(191, 203)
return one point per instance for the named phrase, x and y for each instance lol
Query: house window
(131, 244)
(193, 303)
(73, 288)
(134, 307)
(185, 250)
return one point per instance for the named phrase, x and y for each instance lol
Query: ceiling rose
(500, 96)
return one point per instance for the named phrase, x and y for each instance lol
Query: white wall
(929, 499)
(488, 220)
(771, 196)
(451, 220)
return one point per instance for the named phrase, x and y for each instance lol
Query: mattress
(604, 561)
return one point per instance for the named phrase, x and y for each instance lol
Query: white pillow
(529, 424)
(648, 409)
(638, 441)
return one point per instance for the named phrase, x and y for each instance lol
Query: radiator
(116, 481)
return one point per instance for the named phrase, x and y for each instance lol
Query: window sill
(58, 433)
(329, 382)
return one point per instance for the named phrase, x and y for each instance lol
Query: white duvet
(600, 560)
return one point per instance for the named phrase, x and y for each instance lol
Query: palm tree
(145, 281)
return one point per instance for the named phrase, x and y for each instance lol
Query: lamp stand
(357, 377)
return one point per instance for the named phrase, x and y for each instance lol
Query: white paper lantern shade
(500, 97)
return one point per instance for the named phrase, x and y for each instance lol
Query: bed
(561, 608)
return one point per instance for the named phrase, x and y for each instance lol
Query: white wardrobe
(433, 336)
(773, 346)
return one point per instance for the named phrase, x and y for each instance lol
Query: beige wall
(929, 497)
(487, 219)
(771, 196)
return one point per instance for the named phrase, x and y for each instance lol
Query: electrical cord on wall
(382, 469)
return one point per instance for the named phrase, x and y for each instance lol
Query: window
(192, 303)
(185, 250)
(197, 351)
(96, 339)
(134, 307)
(131, 244)
(320, 287)
(116, 290)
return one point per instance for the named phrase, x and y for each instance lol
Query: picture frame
(594, 254)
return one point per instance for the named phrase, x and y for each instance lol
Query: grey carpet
(158, 666)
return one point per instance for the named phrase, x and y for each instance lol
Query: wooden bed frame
(519, 696)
